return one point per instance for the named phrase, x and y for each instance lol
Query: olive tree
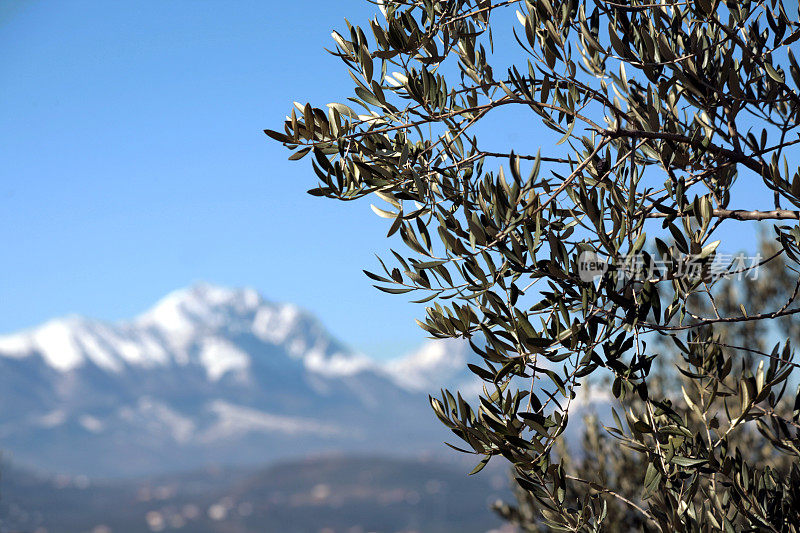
(602, 463)
(592, 250)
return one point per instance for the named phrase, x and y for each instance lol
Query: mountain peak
(216, 295)
(201, 323)
(435, 363)
(200, 375)
(224, 330)
(202, 304)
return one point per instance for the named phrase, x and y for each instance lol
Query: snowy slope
(435, 365)
(209, 374)
(190, 326)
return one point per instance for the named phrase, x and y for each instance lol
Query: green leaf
(708, 249)
(774, 74)
(687, 461)
(280, 137)
(300, 154)
(394, 290)
(652, 478)
(382, 213)
(480, 465)
(568, 133)
(344, 110)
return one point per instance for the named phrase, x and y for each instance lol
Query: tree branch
(744, 214)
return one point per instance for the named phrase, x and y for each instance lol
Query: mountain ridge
(65, 343)
(209, 374)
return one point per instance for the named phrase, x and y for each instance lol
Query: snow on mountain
(209, 374)
(235, 420)
(436, 364)
(216, 375)
(188, 326)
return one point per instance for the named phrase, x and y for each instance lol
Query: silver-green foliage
(659, 110)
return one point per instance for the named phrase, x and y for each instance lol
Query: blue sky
(134, 163)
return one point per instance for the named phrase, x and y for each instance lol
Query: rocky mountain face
(210, 375)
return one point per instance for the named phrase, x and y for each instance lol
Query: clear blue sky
(134, 163)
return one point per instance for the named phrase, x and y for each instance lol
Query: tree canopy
(591, 250)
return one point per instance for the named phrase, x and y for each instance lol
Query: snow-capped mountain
(436, 364)
(209, 374)
(191, 326)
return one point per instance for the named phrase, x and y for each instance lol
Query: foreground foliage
(660, 113)
(599, 462)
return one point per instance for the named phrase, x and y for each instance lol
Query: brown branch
(526, 157)
(758, 167)
(743, 214)
(748, 318)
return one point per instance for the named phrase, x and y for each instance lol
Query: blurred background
(187, 341)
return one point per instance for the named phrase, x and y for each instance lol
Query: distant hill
(210, 375)
(335, 494)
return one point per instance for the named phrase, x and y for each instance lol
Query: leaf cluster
(652, 114)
